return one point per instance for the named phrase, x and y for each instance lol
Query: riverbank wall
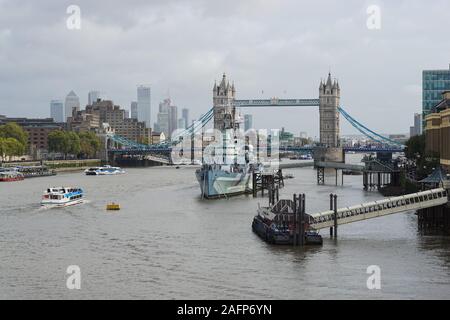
(57, 165)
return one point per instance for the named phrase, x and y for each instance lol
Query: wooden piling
(335, 216)
(331, 208)
(302, 211)
(295, 219)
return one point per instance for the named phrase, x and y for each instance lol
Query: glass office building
(144, 105)
(434, 82)
(57, 110)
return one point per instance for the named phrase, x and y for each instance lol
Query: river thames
(168, 243)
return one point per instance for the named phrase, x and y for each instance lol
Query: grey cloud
(280, 47)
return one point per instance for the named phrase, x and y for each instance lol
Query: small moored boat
(10, 175)
(62, 197)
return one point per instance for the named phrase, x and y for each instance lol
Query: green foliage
(89, 144)
(415, 146)
(74, 143)
(10, 147)
(13, 140)
(58, 141)
(13, 130)
(426, 162)
(85, 144)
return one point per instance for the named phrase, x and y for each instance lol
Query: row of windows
(436, 75)
(437, 85)
(434, 94)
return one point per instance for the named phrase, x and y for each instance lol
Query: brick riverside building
(104, 111)
(38, 130)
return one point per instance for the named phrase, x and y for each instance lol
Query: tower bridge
(224, 116)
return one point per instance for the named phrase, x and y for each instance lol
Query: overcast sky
(268, 47)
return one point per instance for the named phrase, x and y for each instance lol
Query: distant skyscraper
(248, 122)
(72, 101)
(434, 82)
(173, 119)
(185, 117)
(163, 117)
(418, 123)
(134, 110)
(93, 96)
(181, 124)
(167, 118)
(57, 110)
(144, 104)
(416, 130)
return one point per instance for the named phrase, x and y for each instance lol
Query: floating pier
(285, 222)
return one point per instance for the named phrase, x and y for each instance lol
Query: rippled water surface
(167, 243)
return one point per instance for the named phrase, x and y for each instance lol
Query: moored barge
(276, 224)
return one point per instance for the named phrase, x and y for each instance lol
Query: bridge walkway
(370, 210)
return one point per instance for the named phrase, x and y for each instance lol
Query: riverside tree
(425, 161)
(84, 144)
(10, 147)
(13, 130)
(89, 144)
(60, 141)
(13, 140)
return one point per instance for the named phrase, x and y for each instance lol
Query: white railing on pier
(370, 210)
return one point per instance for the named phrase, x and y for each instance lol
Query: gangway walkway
(414, 201)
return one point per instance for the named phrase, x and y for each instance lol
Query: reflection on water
(168, 243)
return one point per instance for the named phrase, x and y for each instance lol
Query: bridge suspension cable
(366, 131)
(204, 119)
(192, 129)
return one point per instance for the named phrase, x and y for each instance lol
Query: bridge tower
(329, 150)
(329, 97)
(223, 103)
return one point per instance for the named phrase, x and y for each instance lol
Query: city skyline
(287, 59)
(224, 155)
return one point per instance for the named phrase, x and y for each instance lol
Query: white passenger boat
(62, 197)
(103, 171)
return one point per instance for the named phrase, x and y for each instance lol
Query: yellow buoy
(113, 206)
